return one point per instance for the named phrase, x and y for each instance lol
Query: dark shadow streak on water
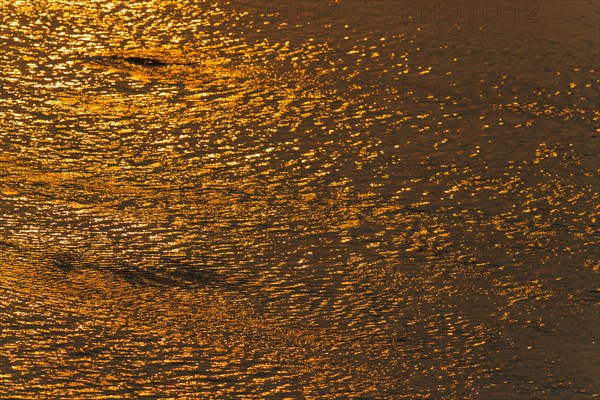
(167, 271)
(116, 60)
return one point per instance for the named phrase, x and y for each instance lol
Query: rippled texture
(298, 200)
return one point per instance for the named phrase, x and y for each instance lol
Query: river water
(277, 199)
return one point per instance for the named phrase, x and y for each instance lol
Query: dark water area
(345, 199)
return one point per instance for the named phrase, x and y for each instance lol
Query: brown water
(348, 199)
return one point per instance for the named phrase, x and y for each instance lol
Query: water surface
(348, 199)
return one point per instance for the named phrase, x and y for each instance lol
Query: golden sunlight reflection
(328, 199)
